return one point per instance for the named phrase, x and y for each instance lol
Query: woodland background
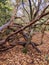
(24, 32)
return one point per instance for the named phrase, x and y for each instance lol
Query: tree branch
(21, 29)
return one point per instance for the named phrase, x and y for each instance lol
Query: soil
(15, 56)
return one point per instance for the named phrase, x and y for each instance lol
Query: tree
(35, 15)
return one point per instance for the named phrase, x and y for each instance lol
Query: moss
(24, 50)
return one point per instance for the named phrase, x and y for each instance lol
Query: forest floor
(15, 56)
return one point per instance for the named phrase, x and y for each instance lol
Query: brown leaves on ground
(15, 56)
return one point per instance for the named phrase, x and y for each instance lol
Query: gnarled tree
(35, 15)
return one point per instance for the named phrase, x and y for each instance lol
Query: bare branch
(37, 10)
(31, 11)
(25, 10)
(21, 29)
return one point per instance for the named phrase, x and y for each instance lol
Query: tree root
(5, 48)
